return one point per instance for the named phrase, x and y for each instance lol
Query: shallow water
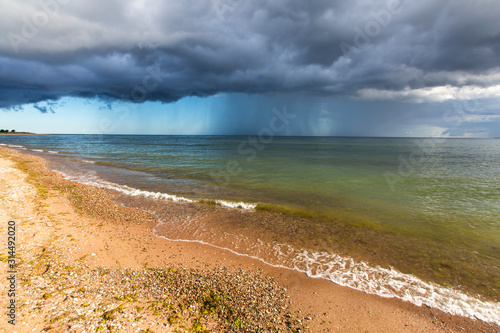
(427, 207)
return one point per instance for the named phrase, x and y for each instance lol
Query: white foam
(345, 271)
(13, 146)
(93, 180)
(232, 204)
(33, 149)
(147, 194)
(391, 283)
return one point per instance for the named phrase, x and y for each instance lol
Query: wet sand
(83, 227)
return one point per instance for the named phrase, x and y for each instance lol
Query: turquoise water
(428, 207)
(420, 184)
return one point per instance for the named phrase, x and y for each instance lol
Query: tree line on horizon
(7, 131)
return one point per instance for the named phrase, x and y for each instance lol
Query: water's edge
(342, 270)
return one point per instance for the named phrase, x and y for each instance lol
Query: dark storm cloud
(163, 51)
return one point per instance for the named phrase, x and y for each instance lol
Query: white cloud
(431, 94)
(480, 118)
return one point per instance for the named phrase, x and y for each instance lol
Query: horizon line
(277, 136)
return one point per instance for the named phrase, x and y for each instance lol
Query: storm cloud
(163, 51)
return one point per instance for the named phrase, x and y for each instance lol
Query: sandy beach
(18, 133)
(85, 263)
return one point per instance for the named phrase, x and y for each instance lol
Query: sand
(79, 251)
(19, 133)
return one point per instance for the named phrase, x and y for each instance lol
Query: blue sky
(240, 114)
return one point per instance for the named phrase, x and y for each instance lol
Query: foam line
(92, 179)
(230, 204)
(360, 275)
(345, 271)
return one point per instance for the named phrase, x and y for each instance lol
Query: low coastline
(108, 235)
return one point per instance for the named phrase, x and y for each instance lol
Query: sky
(217, 67)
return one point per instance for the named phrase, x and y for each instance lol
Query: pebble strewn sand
(88, 264)
(59, 292)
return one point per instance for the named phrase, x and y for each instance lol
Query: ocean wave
(231, 204)
(94, 180)
(389, 282)
(31, 149)
(345, 271)
(13, 146)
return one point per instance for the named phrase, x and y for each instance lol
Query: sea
(412, 218)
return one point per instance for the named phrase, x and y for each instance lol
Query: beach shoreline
(20, 133)
(108, 235)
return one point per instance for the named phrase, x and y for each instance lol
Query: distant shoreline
(277, 136)
(19, 133)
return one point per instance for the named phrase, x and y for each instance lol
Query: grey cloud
(45, 107)
(163, 51)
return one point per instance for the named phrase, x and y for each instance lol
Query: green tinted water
(429, 207)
